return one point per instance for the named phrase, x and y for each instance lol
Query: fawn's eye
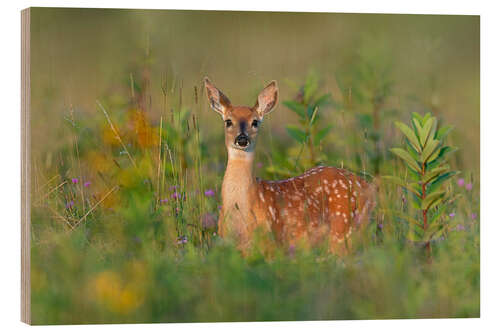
(255, 123)
(229, 123)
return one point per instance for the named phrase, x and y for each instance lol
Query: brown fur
(325, 204)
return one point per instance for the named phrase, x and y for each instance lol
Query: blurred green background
(80, 55)
(123, 231)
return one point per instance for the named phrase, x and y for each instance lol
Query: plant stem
(376, 126)
(311, 148)
(424, 213)
(115, 131)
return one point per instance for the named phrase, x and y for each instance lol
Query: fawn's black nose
(242, 140)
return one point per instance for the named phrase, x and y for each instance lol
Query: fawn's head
(242, 122)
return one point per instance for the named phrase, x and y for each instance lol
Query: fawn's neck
(238, 184)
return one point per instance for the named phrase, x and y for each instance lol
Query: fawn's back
(323, 204)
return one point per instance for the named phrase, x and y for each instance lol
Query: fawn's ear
(267, 99)
(218, 101)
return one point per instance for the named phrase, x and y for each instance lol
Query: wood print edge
(25, 168)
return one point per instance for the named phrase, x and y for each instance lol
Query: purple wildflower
(86, 184)
(70, 204)
(74, 180)
(182, 240)
(468, 186)
(452, 215)
(175, 195)
(461, 182)
(209, 193)
(173, 187)
(380, 226)
(259, 165)
(473, 216)
(460, 227)
(163, 201)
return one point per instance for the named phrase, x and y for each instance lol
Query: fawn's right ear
(218, 101)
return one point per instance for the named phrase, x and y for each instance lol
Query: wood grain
(25, 168)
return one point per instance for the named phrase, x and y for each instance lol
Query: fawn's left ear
(268, 98)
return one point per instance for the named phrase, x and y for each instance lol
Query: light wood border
(25, 168)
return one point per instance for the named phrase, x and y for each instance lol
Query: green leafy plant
(366, 86)
(425, 155)
(307, 105)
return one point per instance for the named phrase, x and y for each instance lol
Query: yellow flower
(116, 296)
(99, 161)
(145, 135)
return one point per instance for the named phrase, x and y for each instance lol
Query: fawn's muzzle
(242, 140)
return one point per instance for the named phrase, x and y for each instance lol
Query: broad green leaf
(443, 132)
(429, 199)
(416, 187)
(309, 111)
(426, 131)
(322, 134)
(296, 133)
(414, 175)
(430, 148)
(410, 135)
(322, 100)
(426, 117)
(407, 217)
(439, 156)
(431, 174)
(411, 150)
(432, 228)
(400, 182)
(432, 133)
(440, 180)
(418, 128)
(310, 86)
(434, 232)
(407, 158)
(436, 202)
(414, 234)
(433, 156)
(416, 201)
(439, 212)
(417, 116)
(296, 107)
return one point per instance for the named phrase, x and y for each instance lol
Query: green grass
(124, 195)
(118, 236)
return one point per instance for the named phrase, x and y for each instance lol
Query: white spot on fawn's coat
(261, 196)
(271, 210)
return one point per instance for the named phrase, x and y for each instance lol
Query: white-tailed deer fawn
(323, 204)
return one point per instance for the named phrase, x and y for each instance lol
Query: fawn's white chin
(240, 152)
